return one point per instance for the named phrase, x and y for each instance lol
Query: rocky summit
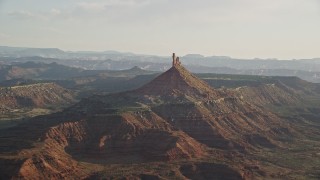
(175, 126)
(178, 81)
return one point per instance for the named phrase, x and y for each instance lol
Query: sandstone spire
(178, 80)
(175, 60)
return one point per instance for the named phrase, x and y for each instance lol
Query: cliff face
(59, 145)
(174, 117)
(269, 94)
(39, 95)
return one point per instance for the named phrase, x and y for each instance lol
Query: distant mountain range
(58, 53)
(307, 69)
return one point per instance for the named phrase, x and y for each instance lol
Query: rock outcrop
(40, 95)
(177, 81)
(175, 117)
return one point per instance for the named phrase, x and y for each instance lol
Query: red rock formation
(175, 60)
(38, 95)
(178, 81)
(174, 117)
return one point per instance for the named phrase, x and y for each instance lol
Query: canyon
(175, 126)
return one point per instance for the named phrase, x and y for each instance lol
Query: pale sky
(283, 29)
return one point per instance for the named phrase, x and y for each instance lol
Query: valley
(89, 90)
(139, 124)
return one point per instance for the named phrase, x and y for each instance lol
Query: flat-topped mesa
(175, 60)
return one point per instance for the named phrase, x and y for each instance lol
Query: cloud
(79, 10)
(55, 12)
(103, 5)
(26, 15)
(41, 15)
(91, 6)
(318, 5)
(53, 30)
(4, 36)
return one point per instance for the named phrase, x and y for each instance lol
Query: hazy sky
(239, 28)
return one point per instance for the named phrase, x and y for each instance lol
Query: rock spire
(175, 60)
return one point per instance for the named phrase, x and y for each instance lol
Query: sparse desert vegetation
(251, 130)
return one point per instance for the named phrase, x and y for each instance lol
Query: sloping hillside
(176, 118)
(34, 95)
